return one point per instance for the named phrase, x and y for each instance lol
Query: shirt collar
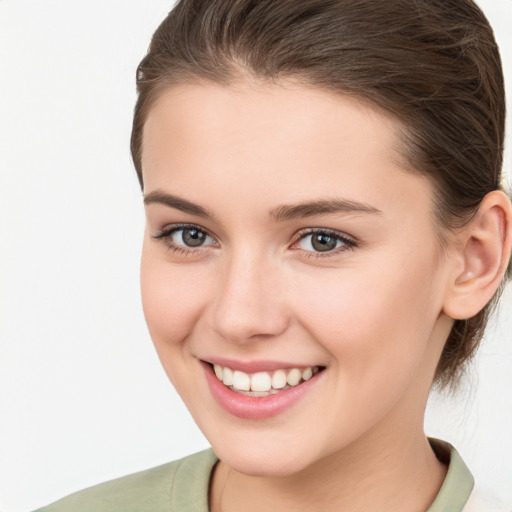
(458, 483)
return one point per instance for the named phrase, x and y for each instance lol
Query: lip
(256, 408)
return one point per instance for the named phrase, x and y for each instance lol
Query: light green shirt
(182, 486)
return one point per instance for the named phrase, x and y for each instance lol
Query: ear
(481, 258)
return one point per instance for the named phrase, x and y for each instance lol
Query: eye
(191, 237)
(185, 238)
(323, 241)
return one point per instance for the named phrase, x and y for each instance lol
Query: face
(287, 250)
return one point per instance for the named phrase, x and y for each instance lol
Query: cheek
(376, 330)
(365, 318)
(172, 298)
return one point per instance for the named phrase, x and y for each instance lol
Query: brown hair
(432, 64)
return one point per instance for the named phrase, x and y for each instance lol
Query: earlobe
(484, 253)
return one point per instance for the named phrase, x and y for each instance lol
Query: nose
(249, 304)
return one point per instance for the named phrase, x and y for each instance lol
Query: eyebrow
(160, 197)
(279, 214)
(321, 207)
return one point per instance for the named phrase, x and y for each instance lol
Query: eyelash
(348, 243)
(166, 236)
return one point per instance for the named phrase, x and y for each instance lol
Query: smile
(262, 384)
(262, 394)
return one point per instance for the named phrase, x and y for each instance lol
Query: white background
(82, 395)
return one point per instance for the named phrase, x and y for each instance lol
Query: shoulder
(154, 489)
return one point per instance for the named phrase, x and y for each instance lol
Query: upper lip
(256, 365)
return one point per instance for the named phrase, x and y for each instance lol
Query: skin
(373, 314)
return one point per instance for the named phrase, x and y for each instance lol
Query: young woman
(326, 234)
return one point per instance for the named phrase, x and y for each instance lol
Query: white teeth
(294, 377)
(218, 371)
(279, 379)
(241, 381)
(227, 376)
(307, 374)
(261, 381)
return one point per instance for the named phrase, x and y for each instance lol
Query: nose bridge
(248, 303)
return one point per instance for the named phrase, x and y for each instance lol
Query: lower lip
(256, 408)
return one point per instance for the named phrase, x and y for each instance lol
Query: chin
(267, 459)
(262, 466)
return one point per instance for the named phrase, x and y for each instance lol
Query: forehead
(278, 138)
(286, 110)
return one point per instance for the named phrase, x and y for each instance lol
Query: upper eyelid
(310, 231)
(301, 232)
(171, 228)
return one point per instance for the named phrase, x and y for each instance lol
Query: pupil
(193, 237)
(323, 242)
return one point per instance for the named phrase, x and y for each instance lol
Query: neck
(401, 474)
